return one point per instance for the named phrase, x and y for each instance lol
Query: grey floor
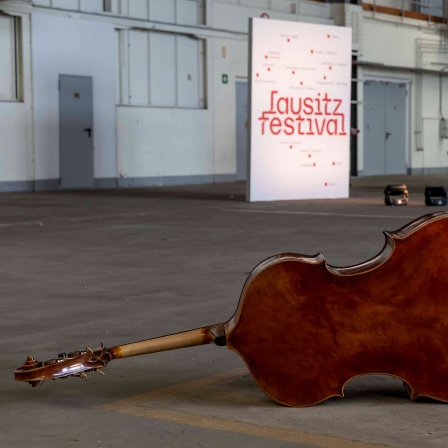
(80, 268)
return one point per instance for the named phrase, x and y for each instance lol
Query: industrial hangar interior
(128, 234)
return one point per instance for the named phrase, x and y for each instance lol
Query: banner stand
(299, 111)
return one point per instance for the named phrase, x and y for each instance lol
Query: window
(9, 57)
(89, 6)
(184, 12)
(161, 69)
(432, 8)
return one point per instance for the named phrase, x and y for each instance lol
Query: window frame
(16, 87)
(125, 71)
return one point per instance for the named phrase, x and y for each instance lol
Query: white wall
(392, 43)
(435, 149)
(71, 46)
(161, 142)
(168, 142)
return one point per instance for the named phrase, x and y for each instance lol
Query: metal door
(384, 128)
(241, 130)
(76, 131)
(395, 138)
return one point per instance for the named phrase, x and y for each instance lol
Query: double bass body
(305, 328)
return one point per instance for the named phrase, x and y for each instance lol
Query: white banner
(300, 79)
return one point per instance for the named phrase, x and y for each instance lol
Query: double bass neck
(200, 336)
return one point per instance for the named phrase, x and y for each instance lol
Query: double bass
(305, 328)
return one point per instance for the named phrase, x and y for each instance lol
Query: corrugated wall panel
(138, 68)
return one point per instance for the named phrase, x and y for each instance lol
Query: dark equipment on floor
(396, 195)
(435, 196)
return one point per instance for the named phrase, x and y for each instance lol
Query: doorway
(241, 130)
(76, 131)
(385, 117)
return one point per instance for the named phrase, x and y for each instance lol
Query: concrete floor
(78, 268)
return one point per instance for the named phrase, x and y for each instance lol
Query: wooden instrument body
(305, 328)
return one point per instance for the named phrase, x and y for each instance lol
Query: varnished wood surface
(304, 329)
(199, 336)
